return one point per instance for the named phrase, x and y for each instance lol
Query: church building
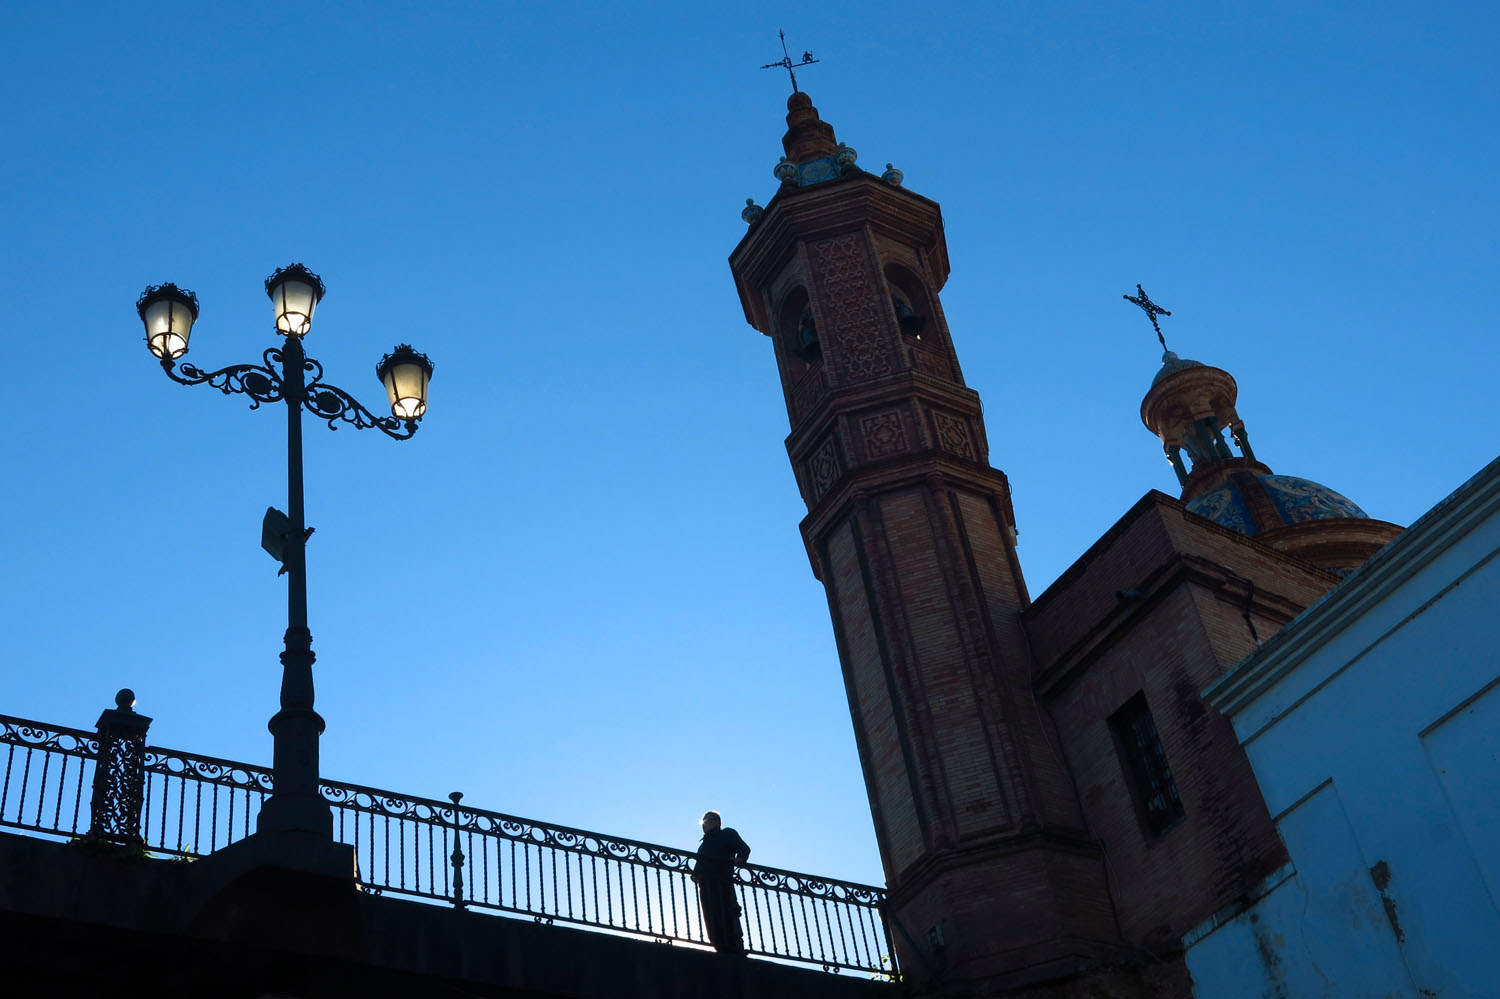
(1056, 804)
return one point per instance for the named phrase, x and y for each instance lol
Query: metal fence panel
(194, 805)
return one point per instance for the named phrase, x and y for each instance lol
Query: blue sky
(579, 594)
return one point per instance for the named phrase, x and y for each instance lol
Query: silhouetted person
(718, 854)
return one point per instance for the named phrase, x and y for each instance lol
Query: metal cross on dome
(1151, 309)
(787, 64)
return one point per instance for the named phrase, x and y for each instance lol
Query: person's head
(710, 821)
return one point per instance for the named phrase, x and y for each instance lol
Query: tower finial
(1152, 310)
(787, 64)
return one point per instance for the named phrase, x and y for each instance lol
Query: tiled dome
(1296, 501)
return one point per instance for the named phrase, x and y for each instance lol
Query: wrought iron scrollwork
(119, 778)
(72, 742)
(115, 810)
(331, 403)
(268, 383)
(208, 770)
(261, 383)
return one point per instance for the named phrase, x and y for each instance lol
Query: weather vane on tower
(787, 64)
(1151, 309)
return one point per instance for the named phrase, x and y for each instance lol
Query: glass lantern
(405, 374)
(168, 313)
(295, 292)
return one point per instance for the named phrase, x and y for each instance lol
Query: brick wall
(1159, 606)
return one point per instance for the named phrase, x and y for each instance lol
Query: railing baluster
(25, 779)
(541, 881)
(822, 905)
(844, 953)
(688, 901)
(161, 837)
(41, 793)
(552, 856)
(10, 755)
(229, 822)
(620, 878)
(609, 917)
(181, 807)
(658, 915)
(815, 929)
(635, 896)
(787, 943)
(672, 908)
(431, 871)
(760, 930)
(62, 780)
(77, 795)
(447, 884)
(145, 816)
(416, 857)
(849, 939)
(469, 836)
(525, 872)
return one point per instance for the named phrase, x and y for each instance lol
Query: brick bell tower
(994, 883)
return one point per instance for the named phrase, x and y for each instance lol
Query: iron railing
(444, 851)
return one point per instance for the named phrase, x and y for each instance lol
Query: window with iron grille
(1145, 763)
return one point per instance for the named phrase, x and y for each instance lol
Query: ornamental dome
(1294, 501)
(1191, 408)
(1171, 364)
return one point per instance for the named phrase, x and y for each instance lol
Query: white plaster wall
(1380, 751)
(1277, 948)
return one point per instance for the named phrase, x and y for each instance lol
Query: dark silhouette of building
(1055, 804)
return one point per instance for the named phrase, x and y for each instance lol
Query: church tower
(993, 881)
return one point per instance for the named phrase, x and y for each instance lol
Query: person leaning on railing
(718, 854)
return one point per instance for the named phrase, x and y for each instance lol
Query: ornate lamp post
(289, 375)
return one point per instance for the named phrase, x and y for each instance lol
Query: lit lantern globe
(168, 313)
(405, 374)
(295, 292)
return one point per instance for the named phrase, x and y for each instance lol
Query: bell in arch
(911, 324)
(807, 336)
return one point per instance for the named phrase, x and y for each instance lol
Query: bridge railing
(191, 805)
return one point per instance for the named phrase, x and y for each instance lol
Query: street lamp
(289, 375)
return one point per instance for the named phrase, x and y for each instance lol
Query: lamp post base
(295, 805)
(300, 853)
(295, 814)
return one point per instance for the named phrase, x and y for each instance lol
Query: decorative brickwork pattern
(850, 294)
(930, 362)
(822, 469)
(953, 434)
(884, 434)
(807, 393)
